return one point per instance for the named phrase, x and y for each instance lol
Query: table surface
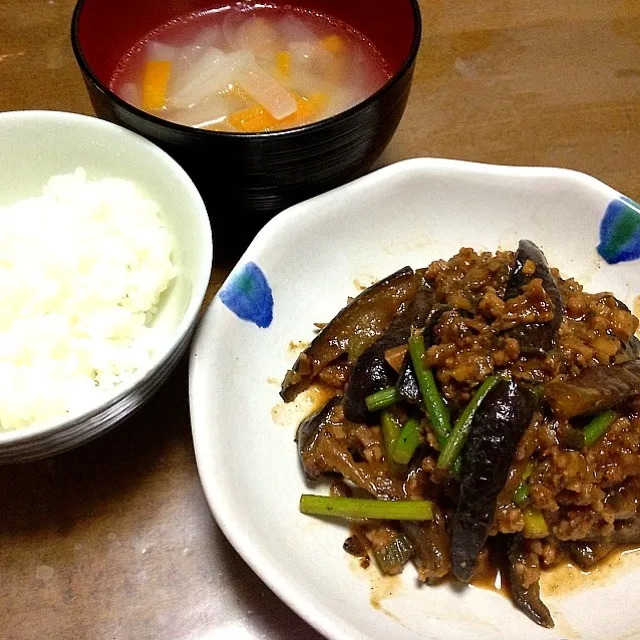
(114, 540)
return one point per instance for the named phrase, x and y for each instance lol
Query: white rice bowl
(82, 268)
(155, 325)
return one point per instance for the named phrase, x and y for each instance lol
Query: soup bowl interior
(108, 29)
(255, 173)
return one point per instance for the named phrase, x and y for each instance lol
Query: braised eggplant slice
(495, 431)
(352, 330)
(627, 532)
(594, 389)
(431, 545)
(322, 453)
(587, 554)
(309, 432)
(407, 383)
(535, 339)
(391, 549)
(632, 348)
(371, 371)
(525, 597)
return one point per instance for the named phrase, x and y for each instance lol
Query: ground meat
(336, 375)
(370, 442)
(528, 572)
(470, 345)
(585, 496)
(463, 280)
(509, 519)
(549, 551)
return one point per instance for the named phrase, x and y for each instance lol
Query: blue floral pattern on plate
(249, 296)
(620, 231)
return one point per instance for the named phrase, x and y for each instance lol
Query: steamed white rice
(82, 269)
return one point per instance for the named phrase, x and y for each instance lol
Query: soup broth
(250, 70)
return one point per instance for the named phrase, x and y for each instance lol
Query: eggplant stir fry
(481, 408)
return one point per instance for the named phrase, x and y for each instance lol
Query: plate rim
(314, 613)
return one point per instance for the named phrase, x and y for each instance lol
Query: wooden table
(114, 540)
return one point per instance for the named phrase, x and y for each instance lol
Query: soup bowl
(254, 174)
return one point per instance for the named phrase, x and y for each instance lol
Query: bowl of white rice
(105, 258)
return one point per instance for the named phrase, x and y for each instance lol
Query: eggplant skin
(627, 532)
(594, 389)
(527, 600)
(371, 371)
(407, 383)
(632, 348)
(308, 433)
(493, 438)
(535, 339)
(587, 554)
(362, 321)
(431, 546)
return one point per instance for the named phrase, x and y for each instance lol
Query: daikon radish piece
(246, 31)
(266, 90)
(236, 99)
(198, 68)
(154, 84)
(230, 23)
(310, 55)
(305, 82)
(160, 51)
(207, 38)
(130, 93)
(309, 109)
(257, 35)
(293, 29)
(213, 110)
(216, 72)
(223, 125)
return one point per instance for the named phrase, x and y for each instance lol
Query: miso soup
(250, 70)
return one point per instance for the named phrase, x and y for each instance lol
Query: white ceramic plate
(311, 257)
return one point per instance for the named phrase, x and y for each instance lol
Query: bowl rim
(200, 281)
(319, 126)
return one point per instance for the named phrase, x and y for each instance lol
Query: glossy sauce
(565, 577)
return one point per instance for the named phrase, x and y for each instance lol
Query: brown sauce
(565, 577)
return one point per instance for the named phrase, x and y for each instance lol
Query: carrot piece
(253, 120)
(318, 100)
(256, 119)
(333, 43)
(302, 114)
(154, 84)
(283, 63)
